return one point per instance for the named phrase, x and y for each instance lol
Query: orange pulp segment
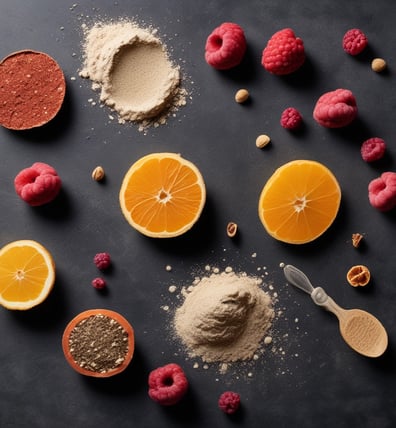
(27, 274)
(162, 195)
(299, 202)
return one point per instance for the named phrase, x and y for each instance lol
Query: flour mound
(131, 68)
(224, 318)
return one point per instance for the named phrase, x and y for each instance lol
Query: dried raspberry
(291, 119)
(382, 191)
(102, 260)
(98, 283)
(167, 384)
(284, 53)
(354, 41)
(38, 184)
(373, 149)
(229, 402)
(226, 46)
(335, 109)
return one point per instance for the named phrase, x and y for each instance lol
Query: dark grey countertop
(312, 379)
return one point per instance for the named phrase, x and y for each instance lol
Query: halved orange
(162, 195)
(299, 202)
(27, 274)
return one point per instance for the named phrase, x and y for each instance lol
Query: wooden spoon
(362, 331)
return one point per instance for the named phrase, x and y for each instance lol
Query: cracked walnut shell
(356, 239)
(358, 275)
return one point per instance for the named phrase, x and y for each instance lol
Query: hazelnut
(358, 275)
(241, 96)
(262, 141)
(232, 229)
(98, 173)
(378, 65)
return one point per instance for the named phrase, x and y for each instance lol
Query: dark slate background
(312, 379)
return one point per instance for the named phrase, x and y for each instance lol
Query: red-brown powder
(32, 89)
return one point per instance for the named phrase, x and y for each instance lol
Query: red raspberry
(291, 119)
(373, 149)
(336, 109)
(382, 191)
(226, 46)
(167, 384)
(354, 41)
(38, 184)
(284, 53)
(102, 260)
(98, 283)
(229, 402)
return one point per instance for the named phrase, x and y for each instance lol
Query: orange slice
(299, 202)
(162, 195)
(27, 274)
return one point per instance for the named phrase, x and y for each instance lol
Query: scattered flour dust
(132, 69)
(224, 318)
(201, 322)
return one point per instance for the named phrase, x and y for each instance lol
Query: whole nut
(98, 173)
(378, 65)
(241, 96)
(262, 141)
(358, 275)
(232, 229)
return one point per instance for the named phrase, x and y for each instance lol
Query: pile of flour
(132, 69)
(224, 317)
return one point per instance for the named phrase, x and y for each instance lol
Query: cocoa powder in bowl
(32, 89)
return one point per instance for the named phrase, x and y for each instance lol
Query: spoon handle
(321, 298)
(298, 278)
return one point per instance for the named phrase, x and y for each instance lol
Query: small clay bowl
(98, 343)
(32, 90)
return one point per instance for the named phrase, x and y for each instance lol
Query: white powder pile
(224, 317)
(132, 69)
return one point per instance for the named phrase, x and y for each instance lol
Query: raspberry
(226, 46)
(229, 402)
(102, 261)
(98, 283)
(284, 53)
(373, 149)
(38, 184)
(335, 109)
(382, 191)
(167, 384)
(354, 41)
(291, 119)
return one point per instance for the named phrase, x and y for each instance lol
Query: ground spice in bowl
(131, 67)
(32, 90)
(98, 343)
(224, 317)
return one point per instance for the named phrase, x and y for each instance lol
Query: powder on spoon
(224, 317)
(132, 69)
